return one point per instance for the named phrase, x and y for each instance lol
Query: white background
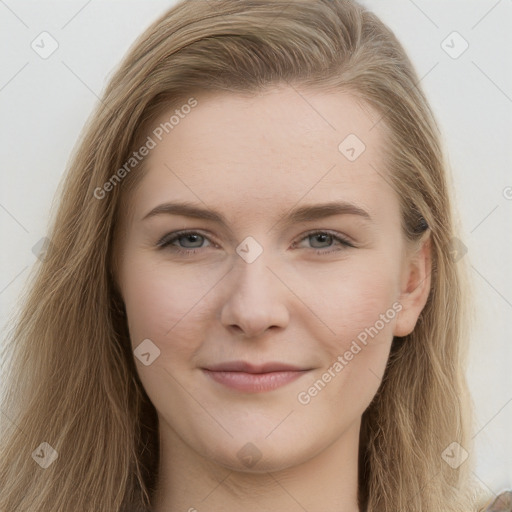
(45, 102)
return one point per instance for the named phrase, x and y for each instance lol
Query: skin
(254, 158)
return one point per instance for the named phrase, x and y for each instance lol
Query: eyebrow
(300, 214)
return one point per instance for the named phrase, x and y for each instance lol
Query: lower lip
(254, 382)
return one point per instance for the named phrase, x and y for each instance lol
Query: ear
(414, 287)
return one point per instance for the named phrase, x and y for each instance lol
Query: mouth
(248, 378)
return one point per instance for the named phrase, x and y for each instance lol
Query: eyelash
(166, 241)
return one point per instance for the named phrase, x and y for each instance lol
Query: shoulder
(502, 503)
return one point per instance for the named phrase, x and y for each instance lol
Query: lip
(249, 378)
(254, 382)
(243, 366)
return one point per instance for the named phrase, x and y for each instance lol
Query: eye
(327, 236)
(194, 241)
(192, 237)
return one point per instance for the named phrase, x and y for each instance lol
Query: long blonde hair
(72, 381)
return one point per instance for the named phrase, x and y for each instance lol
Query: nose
(256, 299)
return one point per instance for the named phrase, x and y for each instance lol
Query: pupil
(322, 237)
(191, 237)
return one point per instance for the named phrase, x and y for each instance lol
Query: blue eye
(168, 241)
(342, 243)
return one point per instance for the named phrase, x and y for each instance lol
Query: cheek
(164, 306)
(359, 302)
(360, 305)
(360, 308)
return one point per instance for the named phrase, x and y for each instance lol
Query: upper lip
(243, 366)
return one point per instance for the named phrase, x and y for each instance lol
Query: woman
(256, 368)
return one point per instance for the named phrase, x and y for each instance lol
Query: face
(316, 295)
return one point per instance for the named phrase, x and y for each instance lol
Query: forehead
(251, 152)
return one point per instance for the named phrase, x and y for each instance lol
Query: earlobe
(415, 288)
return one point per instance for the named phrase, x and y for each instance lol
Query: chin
(249, 458)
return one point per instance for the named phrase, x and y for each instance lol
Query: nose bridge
(252, 274)
(255, 300)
